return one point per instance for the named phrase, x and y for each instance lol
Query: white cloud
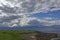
(44, 22)
(29, 6)
(48, 18)
(32, 6)
(16, 12)
(28, 21)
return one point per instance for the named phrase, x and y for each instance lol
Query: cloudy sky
(29, 13)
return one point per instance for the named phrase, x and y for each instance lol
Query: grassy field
(17, 35)
(12, 35)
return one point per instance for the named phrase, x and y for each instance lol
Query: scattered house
(55, 39)
(45, 36)
(29, 37)
(39, 36)
(58, 36)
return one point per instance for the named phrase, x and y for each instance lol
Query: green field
(12, 35)
(18, 35)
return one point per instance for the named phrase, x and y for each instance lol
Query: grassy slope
(12, 35)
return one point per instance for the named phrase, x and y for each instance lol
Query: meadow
(12, 35)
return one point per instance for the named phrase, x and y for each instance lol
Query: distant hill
(56, 29)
